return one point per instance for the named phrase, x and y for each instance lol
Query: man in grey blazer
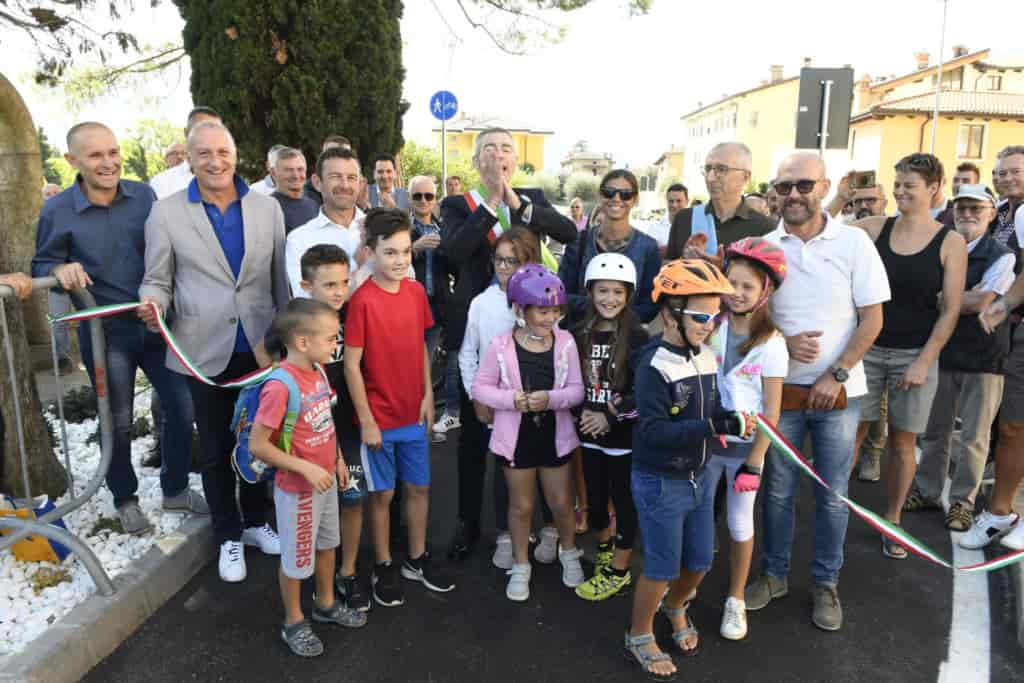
(215, 257)
(384, 192)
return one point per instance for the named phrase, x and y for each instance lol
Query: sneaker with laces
(231, 564)
(572, 572)
(301, 640)
(763, 590)
(603, 585)
(518, 588)
(547, 550)
(734, 620)
(264, 538)
(828, 611)
(446, 423)
(352, 593)
(987, 528)
(339, 615)
(133, 519)
(1015, 539)
(603, 557)
(188, 501)
(387, 591)
(423, 570)
(502, 558)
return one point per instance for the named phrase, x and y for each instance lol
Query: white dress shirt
(173, 180)
(321, 230)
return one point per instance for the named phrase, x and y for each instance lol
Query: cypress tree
(294, 71)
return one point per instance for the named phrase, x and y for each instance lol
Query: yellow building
(462, 134)
(981, 111)
(763, 118)
(669, 166)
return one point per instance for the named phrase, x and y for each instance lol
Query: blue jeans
(676, 524)
(833, 434)
(130, 347)
(452, 404)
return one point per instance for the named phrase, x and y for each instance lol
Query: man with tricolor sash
(472, 222)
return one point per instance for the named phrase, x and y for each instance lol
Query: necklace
(614, 244)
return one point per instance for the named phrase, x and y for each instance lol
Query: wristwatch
(840, 374)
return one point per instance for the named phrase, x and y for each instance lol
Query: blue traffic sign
(443, 105)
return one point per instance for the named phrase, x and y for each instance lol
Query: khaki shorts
(908, 408)
(1012, 408)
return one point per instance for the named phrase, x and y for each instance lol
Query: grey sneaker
(339, 614)
(870, 467)
(763, 590)
(828, 612)
(301, 640)
(133, 520)
(187, 501)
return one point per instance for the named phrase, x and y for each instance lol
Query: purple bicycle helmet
(535, 285)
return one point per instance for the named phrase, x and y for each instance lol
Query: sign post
(823, 109)
(443, 106)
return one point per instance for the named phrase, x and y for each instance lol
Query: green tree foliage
(422, 160)
(47, 152)
(294, 71)
(582, 185)
(142, 150)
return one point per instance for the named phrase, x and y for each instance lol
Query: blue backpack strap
(702, 223)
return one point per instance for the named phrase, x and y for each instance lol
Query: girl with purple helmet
(531, 378)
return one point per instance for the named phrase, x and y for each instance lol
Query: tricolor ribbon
(117, 309)
(881, 525)
(475, 198)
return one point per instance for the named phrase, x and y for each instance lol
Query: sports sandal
(892, 549)
(301, 640)
(644, 659)
(916, 502)
(960, 517)
(682, 634)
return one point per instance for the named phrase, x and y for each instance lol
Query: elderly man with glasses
(727, 217)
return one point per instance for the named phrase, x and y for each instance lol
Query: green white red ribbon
(118, 309)
(883, 526)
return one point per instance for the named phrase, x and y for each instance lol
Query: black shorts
(532, 459)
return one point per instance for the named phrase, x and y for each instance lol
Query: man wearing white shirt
(676, 199)
(970, 370)
(827, 335)
(267, 184)
(177, 178)
(339, 221)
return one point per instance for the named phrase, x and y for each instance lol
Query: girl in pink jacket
(531, 378)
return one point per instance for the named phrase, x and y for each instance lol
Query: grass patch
(106, 524)
(45, 577)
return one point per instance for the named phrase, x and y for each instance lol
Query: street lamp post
(938, 76)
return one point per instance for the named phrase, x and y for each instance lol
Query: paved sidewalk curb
(1017, 572)
(94, 629)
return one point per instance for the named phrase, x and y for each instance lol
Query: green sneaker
(603, 560)
(602, 586)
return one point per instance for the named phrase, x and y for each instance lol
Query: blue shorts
(404, 454)
(676, 523)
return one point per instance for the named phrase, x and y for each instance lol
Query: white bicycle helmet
(610, 267)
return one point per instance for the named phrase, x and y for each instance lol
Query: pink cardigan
(498, 379)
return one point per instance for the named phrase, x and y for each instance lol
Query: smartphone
(863, 179)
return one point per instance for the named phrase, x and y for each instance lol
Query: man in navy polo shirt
(92, 236)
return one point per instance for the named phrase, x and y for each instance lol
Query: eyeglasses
(503, 262)
(803, 186)
(421, 196)
(970, 208)
(862, 200)
(1015, 172)
(719, 169)
(610, 192)
(701, 318)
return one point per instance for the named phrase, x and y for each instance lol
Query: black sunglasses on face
(784, 187)
(610, 192)
(420, 196)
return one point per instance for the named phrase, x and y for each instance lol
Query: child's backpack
(250, 468)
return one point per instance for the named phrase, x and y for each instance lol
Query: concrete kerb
(1017, 572)
(94, 629)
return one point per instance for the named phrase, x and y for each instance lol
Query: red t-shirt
(390, 328)
(313, 438)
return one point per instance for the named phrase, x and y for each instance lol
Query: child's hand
(521, 402)
(318, 477)
(371, 436)
(593, 424)
(427, 409)
(483, 413)
(342, 473)
(537, 401)
(750, 424)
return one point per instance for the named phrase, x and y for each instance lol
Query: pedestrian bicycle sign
(443, 105)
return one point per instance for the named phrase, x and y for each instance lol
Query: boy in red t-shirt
(388, 376)
(305, 491)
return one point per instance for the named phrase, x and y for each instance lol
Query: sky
(619, 82)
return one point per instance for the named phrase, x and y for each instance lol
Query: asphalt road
(897, 622)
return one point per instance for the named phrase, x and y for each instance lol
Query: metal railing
(41, 525)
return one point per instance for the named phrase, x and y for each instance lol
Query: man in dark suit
(472, 222)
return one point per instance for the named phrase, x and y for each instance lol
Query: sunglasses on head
(610, 192)
(701, 318)
(804, 186)
(420, 196)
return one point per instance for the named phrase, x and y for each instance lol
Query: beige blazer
(186, 271)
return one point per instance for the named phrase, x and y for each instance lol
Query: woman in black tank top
(926, 264)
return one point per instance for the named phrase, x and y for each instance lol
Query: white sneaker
(572, 572)
(734, 620)
(264, 538)
(503, 552)
(232, 562)
(519, 582)
(547, 550)
(446, 423)
(1015, 539)
(986, 528)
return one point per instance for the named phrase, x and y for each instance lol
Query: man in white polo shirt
(830, 311)
(339, 221)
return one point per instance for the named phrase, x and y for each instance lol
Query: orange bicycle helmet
(684, 277)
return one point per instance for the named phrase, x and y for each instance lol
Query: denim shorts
(404, 455)
(908, 408)
(676, 523)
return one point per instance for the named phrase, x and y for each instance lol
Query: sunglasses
(421, 196)
(610, 192)
(511, 262)
(805, 186)
(701, 318)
